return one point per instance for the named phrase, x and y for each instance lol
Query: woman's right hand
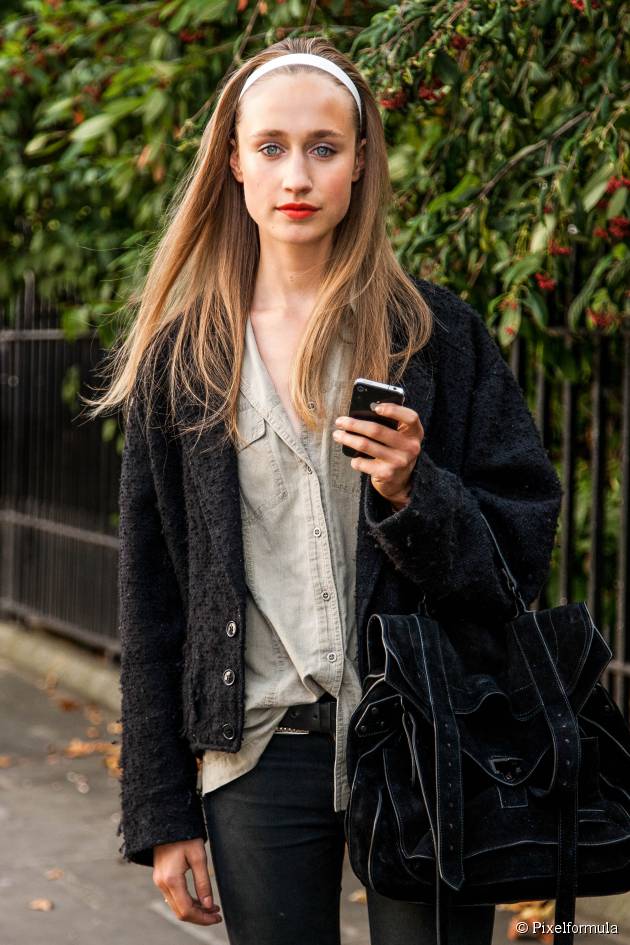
(170, 863)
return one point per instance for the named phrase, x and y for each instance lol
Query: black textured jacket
(181, 572)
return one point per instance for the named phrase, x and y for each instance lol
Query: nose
(296, 172)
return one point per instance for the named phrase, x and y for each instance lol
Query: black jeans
(278, 847)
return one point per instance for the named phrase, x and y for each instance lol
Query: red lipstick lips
(298, 211)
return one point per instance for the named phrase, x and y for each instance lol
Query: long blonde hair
(199, 287)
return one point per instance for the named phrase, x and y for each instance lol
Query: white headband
(306, 59)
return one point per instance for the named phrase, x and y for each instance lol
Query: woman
(238, 508)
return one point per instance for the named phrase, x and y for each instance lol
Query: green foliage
(102, 106)
(509, 133)
(507, 124)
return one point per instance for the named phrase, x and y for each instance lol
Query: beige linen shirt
(299, 505)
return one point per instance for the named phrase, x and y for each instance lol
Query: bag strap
(448, 795)
(510, 580)
(521, 607)
(567, 755)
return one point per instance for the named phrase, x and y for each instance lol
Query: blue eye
(319, 147)
(325, 147)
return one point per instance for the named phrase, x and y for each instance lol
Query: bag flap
(575, 646)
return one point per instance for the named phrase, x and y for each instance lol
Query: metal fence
(59, 480)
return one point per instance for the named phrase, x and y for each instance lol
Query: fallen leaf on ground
(6, 761)
(67, 704)
(54, 873)
(114, 728)
(112, 763)
(78, 748)
(92, 731)
(357, 896)
(41, 905)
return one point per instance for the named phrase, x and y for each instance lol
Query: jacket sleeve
(439, 540)
(159, 798)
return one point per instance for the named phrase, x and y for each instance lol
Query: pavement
(62, 879)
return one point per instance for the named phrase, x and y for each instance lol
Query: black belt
(318, 716)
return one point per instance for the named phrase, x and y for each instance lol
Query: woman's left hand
(393, 452)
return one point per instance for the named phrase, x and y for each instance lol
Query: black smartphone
(364, 394)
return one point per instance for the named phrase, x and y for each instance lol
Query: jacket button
(228, 677)
(230, 628)
(228, 731)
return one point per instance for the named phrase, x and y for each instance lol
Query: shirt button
(311, 405)
(317, 532)
(325, 595)
(228, 677)
(308, 469)
(331, 657)
(228, 731)
(230, 628)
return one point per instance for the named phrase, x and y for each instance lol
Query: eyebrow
(278, 133)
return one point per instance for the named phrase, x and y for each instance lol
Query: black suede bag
(519, 779)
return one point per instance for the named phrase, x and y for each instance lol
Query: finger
(394, 459)
(378, 431)
(213, 911)
(185, 908)
(398, 412)
(203, 887)
(407, 420)
(372, 434)
(168, 898)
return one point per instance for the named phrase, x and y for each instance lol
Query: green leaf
(537, 75)
(581, 300)
(596, 186)
(468, 183)
(56, 111)
(120, 107)
(542, 233)
(537, 306)
(509, 325)
(521, 269)
(546, 106)
(36, 144)
(617, 203)
(210, 11)
(92, 128)
(155, 105)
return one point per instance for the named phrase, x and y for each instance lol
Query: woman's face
(296, 144)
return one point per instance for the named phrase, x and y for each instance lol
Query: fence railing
(59, 480)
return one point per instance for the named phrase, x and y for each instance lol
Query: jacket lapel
(215, 473)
